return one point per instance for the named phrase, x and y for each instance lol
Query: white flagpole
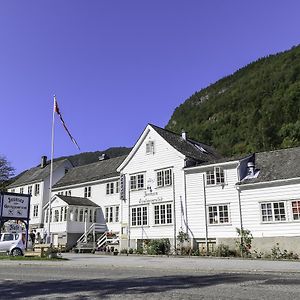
(51, 173)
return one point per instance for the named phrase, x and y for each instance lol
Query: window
(215, 176)
(139, 216)
(150, 147)
(164, 177)
(137, 182)
(218, 214)
(296, 210)
(162, 214)
(117, 187)
(117, 214)
(21, 190)
(95, 216)
(109, 188)
(81, 215)
(65, 213)
(61, 214)
(12, 190)
(36, 189)
(87, 191)
(273, 211)
(29, 191)
(70, 192)
(91, 216)
(56, 215)
(76, 215)
(35, 211)
(111, 214)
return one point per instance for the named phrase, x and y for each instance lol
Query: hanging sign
(15, 206)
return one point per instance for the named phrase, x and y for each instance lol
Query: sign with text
(15, 206)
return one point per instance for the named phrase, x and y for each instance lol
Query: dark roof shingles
(36, 174)
(91, 172)
(77, 201)
(277, 165)
(188, 147)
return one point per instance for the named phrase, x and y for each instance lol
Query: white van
(12, 243)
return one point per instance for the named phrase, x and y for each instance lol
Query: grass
(21, 258)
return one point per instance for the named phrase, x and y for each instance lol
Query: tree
(6, 172)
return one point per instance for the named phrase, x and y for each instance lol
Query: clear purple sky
(117, 65)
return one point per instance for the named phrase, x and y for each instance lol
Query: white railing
(108, 238)
(95, 227)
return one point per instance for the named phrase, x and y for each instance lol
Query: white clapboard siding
(164, 156)
(215, 195)
(251, 214)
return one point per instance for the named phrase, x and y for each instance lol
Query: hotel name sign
(150, 197)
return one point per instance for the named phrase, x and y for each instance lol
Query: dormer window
(215, 176)
(150, 147)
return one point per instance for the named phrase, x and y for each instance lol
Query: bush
(222, 251)
(158, 247)
(277, 253)
(244, 242)
(130, 251)
(124, 251)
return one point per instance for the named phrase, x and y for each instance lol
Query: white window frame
(36, 189)
(275, 211)
(137, 181)
(139, 216)
(164, 177)
(215, 176)
(150, 147)
(112, 214)
(295, 210)
(29, 190)
(216, 214)
(87, 191)
(161, 214)
(35, 210)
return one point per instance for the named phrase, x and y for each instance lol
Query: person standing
(32, 237)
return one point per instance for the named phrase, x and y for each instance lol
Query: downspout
(128, 238)
(185, 204)
(240, 211)
(174, 213)
(205, 215)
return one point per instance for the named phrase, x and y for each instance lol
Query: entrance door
(55, 240)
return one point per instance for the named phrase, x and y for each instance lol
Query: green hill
(255, 109)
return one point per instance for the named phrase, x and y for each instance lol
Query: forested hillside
(255, 109)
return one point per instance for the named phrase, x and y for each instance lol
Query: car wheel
(16, 252)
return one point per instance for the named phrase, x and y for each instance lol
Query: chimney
(183, 134)
(250, 169)
(43, 162)
(103, 156)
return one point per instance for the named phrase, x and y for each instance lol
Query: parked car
(12, 243)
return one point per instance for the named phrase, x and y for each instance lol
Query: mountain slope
(255, 109)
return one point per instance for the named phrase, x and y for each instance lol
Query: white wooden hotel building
(170, 183)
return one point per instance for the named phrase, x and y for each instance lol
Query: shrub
(222, 251)
(277, 253)
(124, 251)
(130, 251)
(158, 247)
(244, 242)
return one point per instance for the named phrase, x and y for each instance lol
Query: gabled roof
(190, 148)
(37, 174)
(78, 201)
(91, 172)
(276, 165)
(194, 151)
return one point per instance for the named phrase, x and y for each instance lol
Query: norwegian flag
(56, 109)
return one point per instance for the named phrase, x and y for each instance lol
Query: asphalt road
(108, 277)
